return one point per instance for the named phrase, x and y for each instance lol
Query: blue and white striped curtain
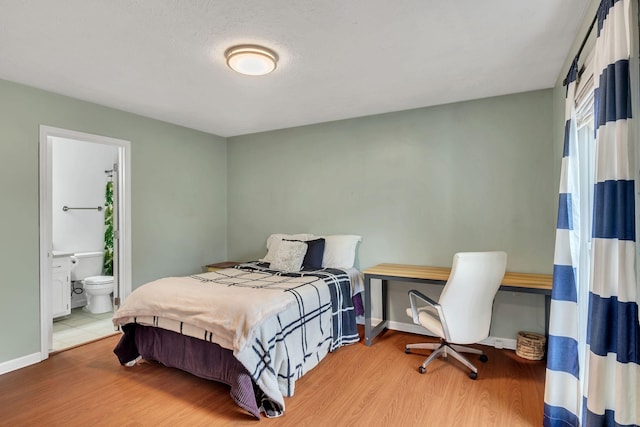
(563, 391)
(602, 388)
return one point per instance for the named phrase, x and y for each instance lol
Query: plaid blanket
(296, 340)
(317, 317)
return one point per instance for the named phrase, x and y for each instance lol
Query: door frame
(46, 219)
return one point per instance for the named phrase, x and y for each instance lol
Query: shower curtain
(108, 230)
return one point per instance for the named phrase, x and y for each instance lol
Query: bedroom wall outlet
(498, 344)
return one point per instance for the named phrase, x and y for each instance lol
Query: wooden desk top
(516, 280)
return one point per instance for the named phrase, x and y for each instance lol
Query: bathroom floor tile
(74, 334)
(80, 327)
(58, 326)
(78, 321)
(102, 316)
(98, 327)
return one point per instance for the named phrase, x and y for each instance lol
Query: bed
(257, 327)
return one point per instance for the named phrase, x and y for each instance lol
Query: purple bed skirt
(358, 305)
(201, 358)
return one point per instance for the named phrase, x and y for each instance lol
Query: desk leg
(367, 310)
(385, 303)
(547, 313)
(371, 331)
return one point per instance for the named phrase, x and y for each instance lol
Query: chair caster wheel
(407, 350)
(484, 358)
(422, 370)
(473, 375)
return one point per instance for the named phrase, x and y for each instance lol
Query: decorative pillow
(274, 240)
(340, 250)
(289, 256)
(313, 257)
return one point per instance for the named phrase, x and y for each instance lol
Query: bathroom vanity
(60, 284)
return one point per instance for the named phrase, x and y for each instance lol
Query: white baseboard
(496, 342)
(21, 362)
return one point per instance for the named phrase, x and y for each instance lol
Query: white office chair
(462, 314)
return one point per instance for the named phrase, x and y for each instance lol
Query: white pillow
(289, 256)
(274, 240)
(340, 250)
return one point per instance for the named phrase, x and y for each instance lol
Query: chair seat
(428, 320)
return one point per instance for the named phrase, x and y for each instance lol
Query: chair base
(445, 349)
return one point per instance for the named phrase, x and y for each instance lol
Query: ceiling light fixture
(251, 60)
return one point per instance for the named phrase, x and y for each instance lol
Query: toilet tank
(86, 264)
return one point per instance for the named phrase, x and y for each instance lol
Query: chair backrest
(467, 298)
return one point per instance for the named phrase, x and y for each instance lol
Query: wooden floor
(355, 386)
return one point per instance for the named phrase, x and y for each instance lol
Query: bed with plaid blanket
(278, 325)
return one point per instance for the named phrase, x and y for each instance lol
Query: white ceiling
(338, 59)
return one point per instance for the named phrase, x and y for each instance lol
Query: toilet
(98, 289)
(86, 268)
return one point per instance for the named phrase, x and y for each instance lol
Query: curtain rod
(584, 42)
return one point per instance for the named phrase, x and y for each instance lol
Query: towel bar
(67, 208)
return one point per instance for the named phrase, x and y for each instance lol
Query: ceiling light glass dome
(251, 60)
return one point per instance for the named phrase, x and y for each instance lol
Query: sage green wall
(418, 185)
(178, 206)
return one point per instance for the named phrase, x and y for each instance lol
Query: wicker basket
(530, 345)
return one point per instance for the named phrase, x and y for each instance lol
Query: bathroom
(82, 233)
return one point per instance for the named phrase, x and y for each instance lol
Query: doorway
(54, 250)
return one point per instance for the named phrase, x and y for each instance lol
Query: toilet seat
(98, 280)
